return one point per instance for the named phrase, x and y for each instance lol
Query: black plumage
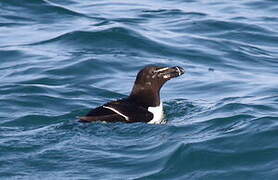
(145, 94)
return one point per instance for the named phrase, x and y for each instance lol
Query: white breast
(157, 114)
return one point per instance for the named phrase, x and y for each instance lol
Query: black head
(151, 78)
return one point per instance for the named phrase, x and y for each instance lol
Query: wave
(41, 6)
(59, 59)
(197, 161)
(107, 39)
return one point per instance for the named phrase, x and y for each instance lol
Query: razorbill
(143, 104)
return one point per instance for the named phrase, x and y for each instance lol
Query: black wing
(122, 110)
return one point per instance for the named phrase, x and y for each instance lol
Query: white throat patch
(157, 114)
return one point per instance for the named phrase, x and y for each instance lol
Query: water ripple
(60, 59)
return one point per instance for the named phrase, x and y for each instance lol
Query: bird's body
(143, 104)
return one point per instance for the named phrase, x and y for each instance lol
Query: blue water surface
(59, 59)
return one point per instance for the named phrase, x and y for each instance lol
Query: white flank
(157, 114)
(112, 109)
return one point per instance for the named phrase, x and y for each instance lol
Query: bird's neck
(145, 97)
